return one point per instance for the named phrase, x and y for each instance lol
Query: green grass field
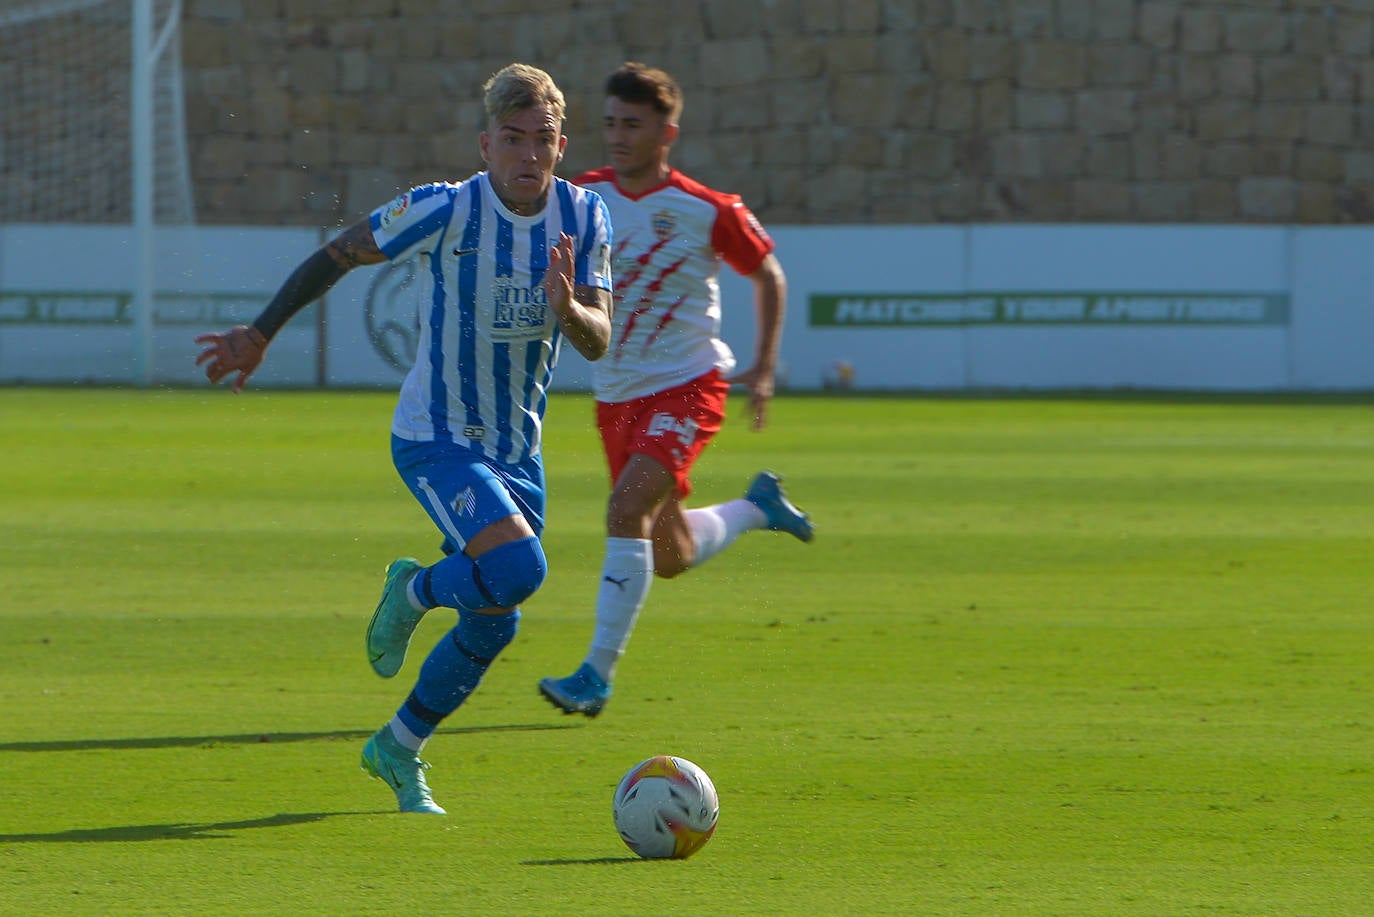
(1046, 657)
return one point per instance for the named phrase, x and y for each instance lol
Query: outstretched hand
(240, 349)
(760, 385)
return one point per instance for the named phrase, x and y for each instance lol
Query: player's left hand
(760, 385)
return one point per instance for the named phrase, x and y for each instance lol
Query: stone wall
(311, 112)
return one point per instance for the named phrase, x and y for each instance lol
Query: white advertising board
(917, 308)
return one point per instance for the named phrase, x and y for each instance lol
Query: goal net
(66, 123)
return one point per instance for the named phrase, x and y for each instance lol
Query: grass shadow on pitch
(590, 861)
(250, 738)
(170, 832)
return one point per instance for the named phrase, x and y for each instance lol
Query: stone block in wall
(1355, 37)
(1157, 23)
(1358, 167)
(1114, 20)
(1319, 164)
(852, 54)
(916, 105)
(1076, 21)
(1035, 110)
(1317, 203)
(1226, 119)
(1340, 79)
(1330, 123)
(1290, 78)
(1200, 31)
(734, 62)
(931, 155)
(1053, 65)
(994, 104)
(1016, 155)
(955, 200)
(858, 16)
(1312, 35)
(1065, 154)
(838, 192)
(1102, 200)
(1054, 198)
(1236, 75)
(1182, 157)
(1104, 112)
(1119, 64)
(1032, 19)
(225, 159)
(1215, 200)
(1109, 159)
(796, 58)
(955, 108)
(1196, 76)
(1267, 199)
(797, 103)
(821, 17)
(948, 53)
(368, 188)
(1160, 110)
(982, 16)
(1256, 31)
(991, 57)
(1280, 121)
(1163, 201)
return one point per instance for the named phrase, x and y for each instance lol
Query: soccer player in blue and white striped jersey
(511, 262)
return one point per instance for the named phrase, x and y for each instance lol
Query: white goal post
(92, 128)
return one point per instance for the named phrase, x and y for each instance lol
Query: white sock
(414, 597)
(405, 736)
(715, 528)
(625, 580)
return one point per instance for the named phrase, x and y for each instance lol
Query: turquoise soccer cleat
(388, 633)
(766, 493)
(399, 768)
(581, 692)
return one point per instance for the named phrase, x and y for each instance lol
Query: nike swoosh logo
(394, 781)
(460, 252)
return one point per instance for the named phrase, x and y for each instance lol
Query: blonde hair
(516, 87)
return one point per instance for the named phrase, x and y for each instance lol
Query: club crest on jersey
(465, 504)
(518, 311)
(665, 224)
(394, 210)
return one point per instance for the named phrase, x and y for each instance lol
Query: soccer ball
(665, 807)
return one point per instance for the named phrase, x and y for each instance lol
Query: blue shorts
(464, 493)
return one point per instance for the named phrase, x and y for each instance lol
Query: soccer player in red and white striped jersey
(661, 387)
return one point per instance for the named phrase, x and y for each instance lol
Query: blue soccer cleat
(581, 692)
(388, 633)
(402, 770)
(766, 493)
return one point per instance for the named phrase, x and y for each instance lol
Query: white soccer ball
(665, 807)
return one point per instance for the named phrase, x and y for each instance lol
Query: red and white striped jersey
(668, 243)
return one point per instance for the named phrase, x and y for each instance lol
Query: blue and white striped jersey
(488, 338)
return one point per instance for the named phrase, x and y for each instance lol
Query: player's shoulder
(578, 195)
(602, 176)
(685, 184)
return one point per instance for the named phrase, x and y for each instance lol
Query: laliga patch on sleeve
(603, 263)
(394, 210)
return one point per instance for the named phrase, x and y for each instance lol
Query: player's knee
(511, 573)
